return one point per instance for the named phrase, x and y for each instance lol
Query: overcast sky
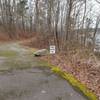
(96, 6)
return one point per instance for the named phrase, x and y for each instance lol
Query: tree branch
(97, 1)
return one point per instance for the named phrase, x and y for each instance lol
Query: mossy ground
(8, 53)
(13, 56)
(75, 83)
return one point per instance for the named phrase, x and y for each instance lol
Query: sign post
(52, 51)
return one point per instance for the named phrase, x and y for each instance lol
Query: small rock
(43, 91)
(41, 52)
(71, 94)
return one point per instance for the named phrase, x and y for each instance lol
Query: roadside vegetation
(13, 56)
(71, 25)
(8, 53)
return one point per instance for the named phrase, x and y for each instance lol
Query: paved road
(34, 83)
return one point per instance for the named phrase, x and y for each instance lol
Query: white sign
(52, 52)
(52, 49)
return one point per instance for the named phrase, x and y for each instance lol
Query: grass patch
(8, 53)
(75, 83)
(15, 64)
(42, 63)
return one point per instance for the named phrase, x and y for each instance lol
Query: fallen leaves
(85, 69)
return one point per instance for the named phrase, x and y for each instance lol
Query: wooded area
(59, 22)
(71, 26)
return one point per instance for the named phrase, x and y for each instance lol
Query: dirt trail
(21, 78)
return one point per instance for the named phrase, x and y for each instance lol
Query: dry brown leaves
(85, 69)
